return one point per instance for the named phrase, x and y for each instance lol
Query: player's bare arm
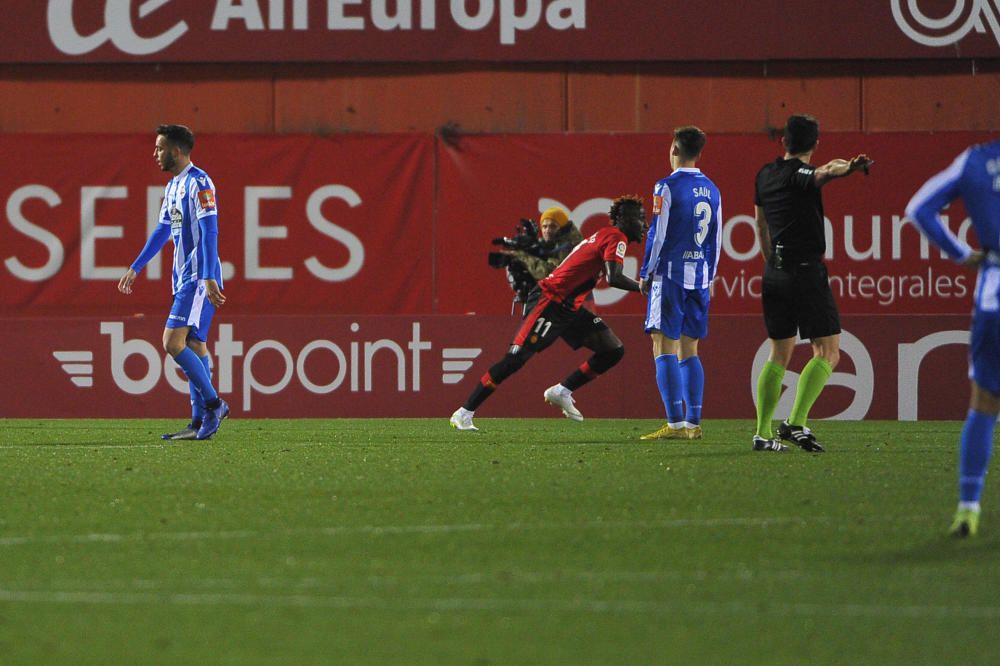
(125, 284)
(762, 232)
(618, 279)
(839, 168)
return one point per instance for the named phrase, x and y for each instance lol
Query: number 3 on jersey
(703, 217)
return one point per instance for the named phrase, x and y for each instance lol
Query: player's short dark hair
(178, 135)
(690, 141)
(617, 212)
(801, 133)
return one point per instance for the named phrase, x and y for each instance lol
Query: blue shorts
(984, 350)
(674, 311)
(192, 308)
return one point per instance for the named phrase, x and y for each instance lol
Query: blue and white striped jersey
(975, 177)
(685, 236)
(189, 198)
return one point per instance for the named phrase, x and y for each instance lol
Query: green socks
(811, 382)
(768, 394)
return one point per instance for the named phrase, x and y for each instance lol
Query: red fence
(352, 260)
(494, 30)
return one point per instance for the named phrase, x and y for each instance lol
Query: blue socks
(196, 370)
(976, 444)
(197, 401)
(693, 380)
(668, 380)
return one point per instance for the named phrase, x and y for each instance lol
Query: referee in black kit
(796, 292)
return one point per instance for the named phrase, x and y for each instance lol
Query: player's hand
(975, 259)
(644, 286)
(862, 162)
(214, 294)
(125, 284)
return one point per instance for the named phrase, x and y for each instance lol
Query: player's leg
(190, 316)
(664, 315)
(201, 322)
(537, 331)
(171, 337)
(820, 322)
(976, 441)
(588, 330)
(781, 321)
(769, 384)
(812, 381)
(694, 328)
(693, 382)
(670, 383)
(197, 400)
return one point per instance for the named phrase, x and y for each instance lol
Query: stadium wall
(729, 97)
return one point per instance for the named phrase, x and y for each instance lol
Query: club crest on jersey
(207, 198)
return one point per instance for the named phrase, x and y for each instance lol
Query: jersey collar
(184, 171)
(687, 170)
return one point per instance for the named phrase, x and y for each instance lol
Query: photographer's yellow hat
(556, 213)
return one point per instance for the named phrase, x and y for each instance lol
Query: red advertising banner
(494, 30)
(402, 224)
(878, 261)
(299, 218)
(892, 367)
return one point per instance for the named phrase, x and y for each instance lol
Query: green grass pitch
(402, 541)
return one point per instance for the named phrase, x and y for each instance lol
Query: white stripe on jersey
(197, 305)
(654, 310)
(987, 294)
(661, 231)
(689, 274)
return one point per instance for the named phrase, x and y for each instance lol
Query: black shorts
(798, 299)
(550, 320)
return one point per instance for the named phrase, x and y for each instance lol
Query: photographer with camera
(529, 258)
(560, 313)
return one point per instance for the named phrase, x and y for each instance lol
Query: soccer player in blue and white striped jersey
(682, 252)
(189, 216)
(975, 177)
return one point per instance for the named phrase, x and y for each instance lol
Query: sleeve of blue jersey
(644, 271)
(926, 204)
(208, 248)
(153, 245)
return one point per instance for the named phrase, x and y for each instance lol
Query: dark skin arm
(616, 278)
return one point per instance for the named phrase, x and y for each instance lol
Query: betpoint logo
(355, 362)
(964, 17)
(118, 28)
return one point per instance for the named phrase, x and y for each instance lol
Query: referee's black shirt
(787, 192)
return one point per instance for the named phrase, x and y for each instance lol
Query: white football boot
(462, 420)
(562, 397)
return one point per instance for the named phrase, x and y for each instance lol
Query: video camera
(526, 240)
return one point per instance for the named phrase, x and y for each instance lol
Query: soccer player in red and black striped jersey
(559, 313)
